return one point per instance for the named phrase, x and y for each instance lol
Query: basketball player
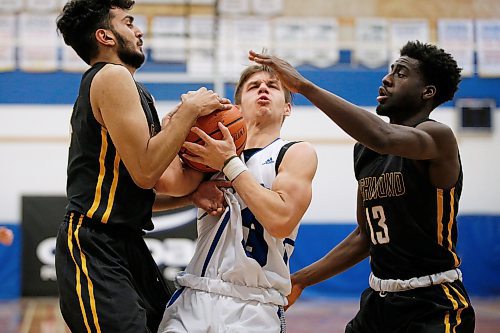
(239, 276)
(6, 236)
(409, 184)
(107, 278)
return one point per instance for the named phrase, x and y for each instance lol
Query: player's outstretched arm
(362, 125)
(208, 196)
(349, 252)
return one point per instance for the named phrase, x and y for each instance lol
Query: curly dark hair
(438, 68)
(247, 73)
(81, 18)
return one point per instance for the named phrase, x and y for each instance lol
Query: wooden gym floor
(41, 315)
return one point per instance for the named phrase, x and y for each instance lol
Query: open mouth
(383, 95)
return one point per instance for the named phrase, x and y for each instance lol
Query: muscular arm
(425, 142)
(116, 105)
(349, 252)
(178, 179)
(280, 208)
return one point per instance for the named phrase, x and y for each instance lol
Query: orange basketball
(232, 119)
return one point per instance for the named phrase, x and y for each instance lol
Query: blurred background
(345, 46)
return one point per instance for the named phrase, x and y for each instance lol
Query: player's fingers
(192, 158)
(226, 134)
(194, 148)
(224, 100)
(204, 136)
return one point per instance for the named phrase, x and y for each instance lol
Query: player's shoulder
(437, 130)
(113, 73)
(301, 153)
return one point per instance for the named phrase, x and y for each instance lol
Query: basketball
(232, 119)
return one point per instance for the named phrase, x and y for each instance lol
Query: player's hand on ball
(205, 101)
(214, 152)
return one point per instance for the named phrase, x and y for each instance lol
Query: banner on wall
(488, 47)
(172, 243)
(7, 42)
(372, 42)
(457, 37)
(402, 31)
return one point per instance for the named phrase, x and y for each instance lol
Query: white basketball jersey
(235, 248)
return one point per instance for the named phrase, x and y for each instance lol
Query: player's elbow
(145, 181)
(282, 227)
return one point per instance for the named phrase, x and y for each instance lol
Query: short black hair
(437, 67)
(81, 18)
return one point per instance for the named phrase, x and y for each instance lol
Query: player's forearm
(348, 253)
(166, 202)
(361, 124)
(163, 147)
(268, 207)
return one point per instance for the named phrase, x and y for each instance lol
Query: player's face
(400, 95)
(263, 96)
(128, 38)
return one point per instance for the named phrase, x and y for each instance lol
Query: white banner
(321, 44)
(457, 38)
(38, 42)
(488, 47)
(7, 42)
(42, 5)
(201, 45)
(267, 7)
(372, 42)
(70, 61)
(236, 37)
(9, 6)
(169, 42)
(289, 38)
(233, 7)
(403, 31)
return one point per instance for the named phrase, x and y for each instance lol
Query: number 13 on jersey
(381, 233)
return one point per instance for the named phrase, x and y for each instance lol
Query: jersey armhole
(281, 154)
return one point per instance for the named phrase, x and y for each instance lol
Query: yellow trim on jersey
(450, 225)
(112, 192)
(78, 284)
(102, 172)
(455, 307)
(464, 302)
(440, 216)
(90, 285)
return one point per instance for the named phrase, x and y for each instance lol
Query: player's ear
(429, 92)
(288, 109)
(105, 37)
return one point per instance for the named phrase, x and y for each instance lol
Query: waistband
(391, 285)
(216, 286)
(93, 224)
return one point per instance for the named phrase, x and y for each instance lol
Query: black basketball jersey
(411, 224)
(99, 186)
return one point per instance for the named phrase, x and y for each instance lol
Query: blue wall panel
(478, 247)
(10, 266)
(359, 86)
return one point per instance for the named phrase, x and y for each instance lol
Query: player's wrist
(233, 167)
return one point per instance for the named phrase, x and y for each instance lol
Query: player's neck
(258, 137)
(112, 59)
